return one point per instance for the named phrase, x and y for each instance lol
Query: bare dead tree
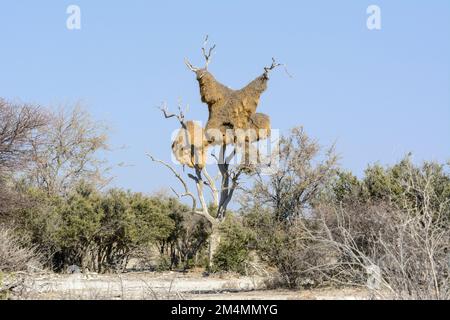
(200, 176)
(19, 126)
(299, 178)
(222, 195)
(68, 151)
(19, 131)
(229, 109)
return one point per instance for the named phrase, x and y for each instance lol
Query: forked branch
(197, 177)
(275, 65)
(180, 116)
(272, 67)
(212, 185)
(207, 54)
(186, 193)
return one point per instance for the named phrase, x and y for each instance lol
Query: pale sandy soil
(170, 285)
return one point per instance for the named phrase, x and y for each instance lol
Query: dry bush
(16, 261)
(397, 249)
(397, 254)
(18, 132)
(394, 253)
(408, 240)
(400, 250)
(14, 256)
(68, 152)
(294, 255)
(304, 171)
(276, 208)
(19, 125)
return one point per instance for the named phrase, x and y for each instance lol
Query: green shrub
(234, 247)
(187, 242)
(163, 264)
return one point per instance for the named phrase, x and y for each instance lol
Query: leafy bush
(234, 248)
(186, 244)
(81, 221)
(95, 231)
(129, 221)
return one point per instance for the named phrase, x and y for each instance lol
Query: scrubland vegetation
(309, 225)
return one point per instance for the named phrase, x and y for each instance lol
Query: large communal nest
(232, 116)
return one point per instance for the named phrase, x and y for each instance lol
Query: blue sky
(377, 94)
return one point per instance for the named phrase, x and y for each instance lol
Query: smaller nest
(190, 146)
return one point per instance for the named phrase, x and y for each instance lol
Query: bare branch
(180, 116)
(207, 53)
(20, 127)
(176, 193)
(212, 185)
(190, 66)
(193, 177)
(199, 184)
(274, 66)
(67, 151)
(187, 193)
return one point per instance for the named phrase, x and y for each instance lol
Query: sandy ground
(170, 285)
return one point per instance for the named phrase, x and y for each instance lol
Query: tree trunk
(214, 241)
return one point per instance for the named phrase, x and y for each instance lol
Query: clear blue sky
(378, 94)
